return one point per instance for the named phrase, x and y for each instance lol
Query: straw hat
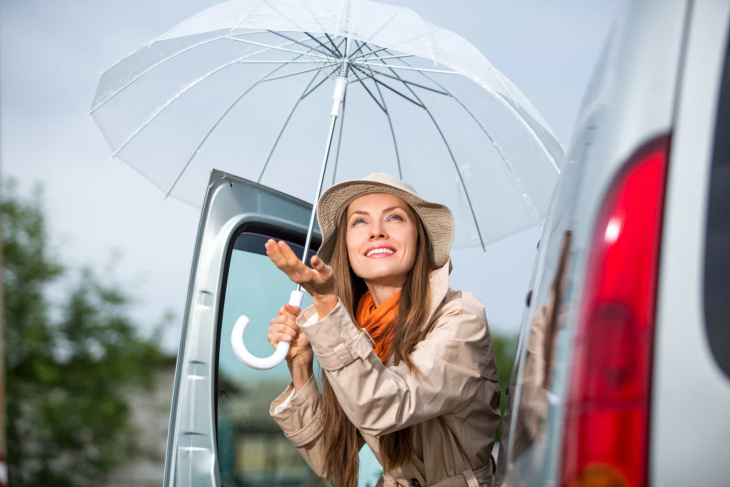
(437, 219)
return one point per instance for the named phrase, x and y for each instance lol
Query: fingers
(281, 253)
(285, 259)
(293, 310)
(283, 327)
(318, 264)
(289, 255)
(279, 332)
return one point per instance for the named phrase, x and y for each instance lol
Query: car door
(221, 432)
(220, 429)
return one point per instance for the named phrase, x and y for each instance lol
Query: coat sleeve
(450, 366)
(299, 417)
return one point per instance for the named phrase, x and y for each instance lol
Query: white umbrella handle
(281, 349)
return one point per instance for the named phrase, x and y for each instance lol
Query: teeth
(380, 251)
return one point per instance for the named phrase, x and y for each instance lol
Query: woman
(408, 363)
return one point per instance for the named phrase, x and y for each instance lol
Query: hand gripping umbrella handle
(245, 356)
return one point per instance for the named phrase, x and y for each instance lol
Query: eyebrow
(360, 212)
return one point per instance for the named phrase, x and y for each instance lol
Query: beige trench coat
(452, 407)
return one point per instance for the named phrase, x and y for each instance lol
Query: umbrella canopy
(246, 87)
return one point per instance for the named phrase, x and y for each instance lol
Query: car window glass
(717, 250)
(252, 449)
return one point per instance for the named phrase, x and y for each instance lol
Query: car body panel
(691, 395)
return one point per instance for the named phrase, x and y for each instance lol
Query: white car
(623, 370)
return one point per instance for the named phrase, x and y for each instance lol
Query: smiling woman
(408, 363)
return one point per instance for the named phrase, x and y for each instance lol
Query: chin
(380, 274)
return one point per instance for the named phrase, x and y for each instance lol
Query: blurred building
(253, 452)
(150, 416)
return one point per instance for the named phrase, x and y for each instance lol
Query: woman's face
(381, 238)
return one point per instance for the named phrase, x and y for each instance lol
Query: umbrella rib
(302, 42)
(501, 99)
(167, 104)
(281, 132)
(388, 87)
(185, 90)
(373, 51)
(261, 44)
(428, 35)
(453, 159)
(392, 132)
(390, 121)
(395, 56)
(408, 68)
(352, 56)
(320, 83)
(461, 178)
(511, 169)
(364, 55)
(163, 61)
(322, 44)
(339, 54)
(215, 125)
(406, 81)
(301, 72)
(156, 39)
(274, 61)
(368, 90)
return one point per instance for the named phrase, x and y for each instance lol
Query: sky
(101, 211)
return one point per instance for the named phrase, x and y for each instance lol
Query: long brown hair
(341, 461)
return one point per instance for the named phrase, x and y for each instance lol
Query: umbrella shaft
(308, 242)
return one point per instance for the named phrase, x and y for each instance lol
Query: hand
(317, 281)
(285, 329)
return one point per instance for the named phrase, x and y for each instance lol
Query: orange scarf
(379, 321)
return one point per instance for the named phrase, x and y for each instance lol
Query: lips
(379, 252)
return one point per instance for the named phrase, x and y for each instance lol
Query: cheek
(412, 242)
(351, 242)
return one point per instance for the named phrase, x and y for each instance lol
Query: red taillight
(607, 415)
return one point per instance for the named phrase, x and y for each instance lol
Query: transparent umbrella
(258, 87)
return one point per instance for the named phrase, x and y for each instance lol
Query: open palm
(317, 280)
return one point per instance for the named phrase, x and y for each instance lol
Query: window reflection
(540, 355)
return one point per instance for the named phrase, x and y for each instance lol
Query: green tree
(70, 366)
(505, 348)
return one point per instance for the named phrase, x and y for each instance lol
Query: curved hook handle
(255, 362)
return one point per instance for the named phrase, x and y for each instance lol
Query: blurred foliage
(71, 362)
(505, 348)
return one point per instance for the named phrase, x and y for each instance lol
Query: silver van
(622, 376)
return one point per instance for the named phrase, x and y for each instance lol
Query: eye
(357, 221)
(395, 216)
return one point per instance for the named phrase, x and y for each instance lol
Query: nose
(377, 231)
